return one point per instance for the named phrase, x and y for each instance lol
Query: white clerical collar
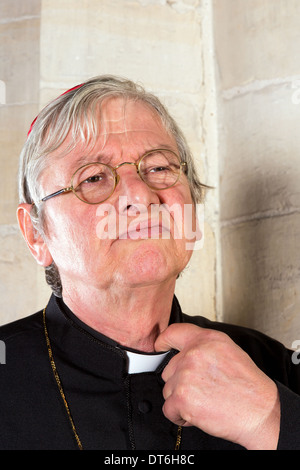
(139, 362)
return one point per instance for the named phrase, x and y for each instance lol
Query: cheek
(182, 211)
(70, 231)
(179, 194)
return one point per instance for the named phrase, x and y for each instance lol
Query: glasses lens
(94, 183)
(160, 169)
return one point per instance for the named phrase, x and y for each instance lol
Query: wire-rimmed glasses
(95, 182)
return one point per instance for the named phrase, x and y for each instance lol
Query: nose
(134, 194)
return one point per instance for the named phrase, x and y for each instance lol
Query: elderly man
(111, 362)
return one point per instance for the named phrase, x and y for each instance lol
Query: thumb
(177, 336)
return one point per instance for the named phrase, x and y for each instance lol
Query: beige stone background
(229, 71)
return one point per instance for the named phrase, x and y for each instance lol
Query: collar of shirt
(140, 362)
(92, 350)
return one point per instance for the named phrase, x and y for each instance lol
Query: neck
(134, 318)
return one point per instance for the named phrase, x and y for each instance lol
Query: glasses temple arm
(57, 193)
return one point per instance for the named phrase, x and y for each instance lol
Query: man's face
(74, 234)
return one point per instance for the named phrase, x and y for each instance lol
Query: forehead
(119, 115)
(117, 121)
(120, 126)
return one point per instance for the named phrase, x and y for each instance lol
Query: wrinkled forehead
(129, 119)
(119, 115)
(115, 121)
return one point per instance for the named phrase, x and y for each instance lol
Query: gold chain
(178, 440)
(61, 391)
(56, 375)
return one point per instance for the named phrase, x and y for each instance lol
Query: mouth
(155, 224)
(145, 230)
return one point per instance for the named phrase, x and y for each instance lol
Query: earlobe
(33, 238)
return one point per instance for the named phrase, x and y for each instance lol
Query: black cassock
(111, 409)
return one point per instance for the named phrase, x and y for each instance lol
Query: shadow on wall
(261, 258)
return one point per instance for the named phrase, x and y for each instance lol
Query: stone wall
(228, 71)
(22, 287)
(258, 63)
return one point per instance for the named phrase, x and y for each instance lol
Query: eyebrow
(86, 159)
(100, 158)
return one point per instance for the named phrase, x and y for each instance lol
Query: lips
(138, 230)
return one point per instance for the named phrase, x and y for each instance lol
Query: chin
(149, 264)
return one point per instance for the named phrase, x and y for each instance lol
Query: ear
(33, 238)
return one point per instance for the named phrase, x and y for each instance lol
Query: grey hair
(77, 112)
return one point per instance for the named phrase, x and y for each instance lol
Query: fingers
(173, 414)
(177, 336)
(176, 377)
(211, 377)
(172, 407)
(170, 368)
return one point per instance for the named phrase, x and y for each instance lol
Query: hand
(214, 385)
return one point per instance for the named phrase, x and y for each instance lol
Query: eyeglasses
(93, 183)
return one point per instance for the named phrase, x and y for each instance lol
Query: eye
(94, 179)
(157, 169)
